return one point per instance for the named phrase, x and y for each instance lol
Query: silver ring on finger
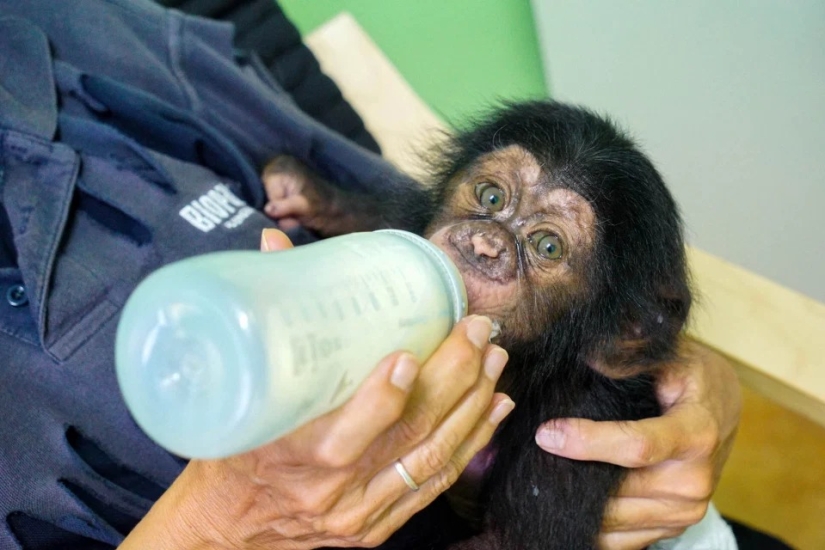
(405, 475)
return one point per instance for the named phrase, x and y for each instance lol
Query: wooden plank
(774, 477)
(779, 334)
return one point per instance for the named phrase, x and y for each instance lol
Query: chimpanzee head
(565, 234)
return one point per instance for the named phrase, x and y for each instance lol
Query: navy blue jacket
(261, 26)
(130, 136)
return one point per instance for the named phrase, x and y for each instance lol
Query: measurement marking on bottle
(305, 312)
(412, 321)
(374, 301)
(338, 310)
(390, 288)
(322, 347)
(299, 356)
(310, 350)
(401, 276)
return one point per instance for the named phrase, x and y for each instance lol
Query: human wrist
(186, 517)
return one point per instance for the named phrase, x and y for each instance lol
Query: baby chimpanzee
(566, 236)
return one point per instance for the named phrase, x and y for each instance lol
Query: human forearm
(179, 520)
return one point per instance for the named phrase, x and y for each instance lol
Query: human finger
(634, 540)
(438, 455)
(705, 384)
(634, 514)
(360, 489)
(443, 449)
(274, 239)
(685, 480)
(391, 517)
(428, 459)
(498, 409)
(387, 500)
(444, 379)
(340, 437)
(631, 444)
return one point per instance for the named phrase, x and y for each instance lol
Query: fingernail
(264, 244)
(404, 373)
(550, 439)
(479, 331)
(494, 363)
(501, 411)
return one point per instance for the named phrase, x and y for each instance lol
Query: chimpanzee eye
(490, 196)
(547, 245)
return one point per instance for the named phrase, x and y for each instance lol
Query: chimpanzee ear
(646, 342)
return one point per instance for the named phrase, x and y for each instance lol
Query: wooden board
(775, 477)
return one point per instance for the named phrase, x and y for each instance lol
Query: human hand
(333, 482)
(675, 459)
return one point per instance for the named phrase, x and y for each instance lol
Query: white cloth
(712, 533)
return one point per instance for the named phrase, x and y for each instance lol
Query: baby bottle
(224, 352)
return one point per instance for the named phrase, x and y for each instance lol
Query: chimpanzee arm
(297, 195)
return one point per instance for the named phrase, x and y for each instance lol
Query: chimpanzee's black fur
(637, 303)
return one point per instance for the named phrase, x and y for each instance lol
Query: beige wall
(729, 99)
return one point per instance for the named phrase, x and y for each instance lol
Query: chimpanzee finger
(275, 187)
(290, 206)
(287, 224)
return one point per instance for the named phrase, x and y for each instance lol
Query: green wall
(459, 55)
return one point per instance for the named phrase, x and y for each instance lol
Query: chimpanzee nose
(486, 246)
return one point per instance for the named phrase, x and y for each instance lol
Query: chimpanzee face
(520, 240)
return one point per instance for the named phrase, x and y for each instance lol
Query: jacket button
(16, 296)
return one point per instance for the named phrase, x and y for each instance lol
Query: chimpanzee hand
(298, 196)
(293, 194)
(676, 459)
(333, 481)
